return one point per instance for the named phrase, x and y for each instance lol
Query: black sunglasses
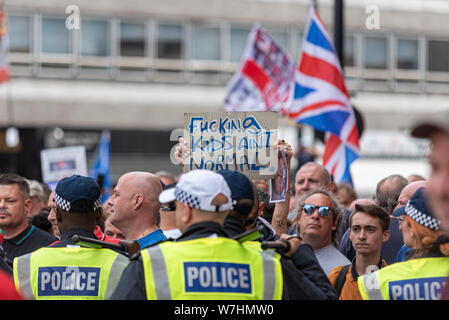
(324, 211)
(171, 206)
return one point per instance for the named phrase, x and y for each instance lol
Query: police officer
(304, 279)
(68, 271)
(203, 263)
(420, 278)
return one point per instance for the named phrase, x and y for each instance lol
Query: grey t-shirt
(329, 257)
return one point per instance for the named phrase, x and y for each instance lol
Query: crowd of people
(216, 235)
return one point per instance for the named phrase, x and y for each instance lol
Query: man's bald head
(408, 191)
(145, 183)
(135, 200)
(388, 190)
(311, 175)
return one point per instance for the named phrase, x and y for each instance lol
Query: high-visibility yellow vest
(416, 279)
(73, 273)
(211, 268)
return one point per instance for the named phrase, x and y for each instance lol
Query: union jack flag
(265, 76)
(320, 99)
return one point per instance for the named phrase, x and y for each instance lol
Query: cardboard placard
(238, 141)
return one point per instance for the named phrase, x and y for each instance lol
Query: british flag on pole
(264, 78)
(319, 99)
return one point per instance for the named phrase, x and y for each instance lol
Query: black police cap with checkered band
(77, 194)
(418, 210)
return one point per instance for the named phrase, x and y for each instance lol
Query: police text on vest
(68, 281)
(416, 289)
(217, 277)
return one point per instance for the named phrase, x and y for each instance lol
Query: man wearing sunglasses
(167, 218)
(318, 221)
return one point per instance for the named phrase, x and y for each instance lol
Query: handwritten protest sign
(240, 141)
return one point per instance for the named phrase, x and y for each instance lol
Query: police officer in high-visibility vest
(421, 277)
(203, 263)
(65, 270)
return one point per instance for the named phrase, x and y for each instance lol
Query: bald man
(408, 191)
(134, 207)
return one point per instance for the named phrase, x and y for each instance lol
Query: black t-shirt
(29, 240)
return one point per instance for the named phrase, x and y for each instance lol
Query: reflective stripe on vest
(416, 279)
(208, 268)
(69, 273)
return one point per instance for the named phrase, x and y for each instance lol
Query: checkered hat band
(184, 197)
(421, 218)
(65, 204)
(62, 203)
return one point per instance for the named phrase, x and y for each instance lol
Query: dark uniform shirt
(66, 237)
(29, 240)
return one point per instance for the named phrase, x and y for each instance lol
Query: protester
(317, 223)
(437, 130)
(20, 237)
(421, 277)
(83, 273)
(111, 231)
(167, 221)
(404, 197)
(408, 191)
(344, 243)
(166, 177)
(134, 207)
(37, 197)
(51, 205)
(387, 194)
(346, 194)
(388, 190)
(368, 231)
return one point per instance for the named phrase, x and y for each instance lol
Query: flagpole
(339, 31)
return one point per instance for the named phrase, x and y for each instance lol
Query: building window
(94, 38)
(19, 33)
(438, 56)
(55, 36)
(407, 54)
(375, 53)
(132, 39)
(239, 38)
(169, 41)
(205, 43)
(349, 52)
